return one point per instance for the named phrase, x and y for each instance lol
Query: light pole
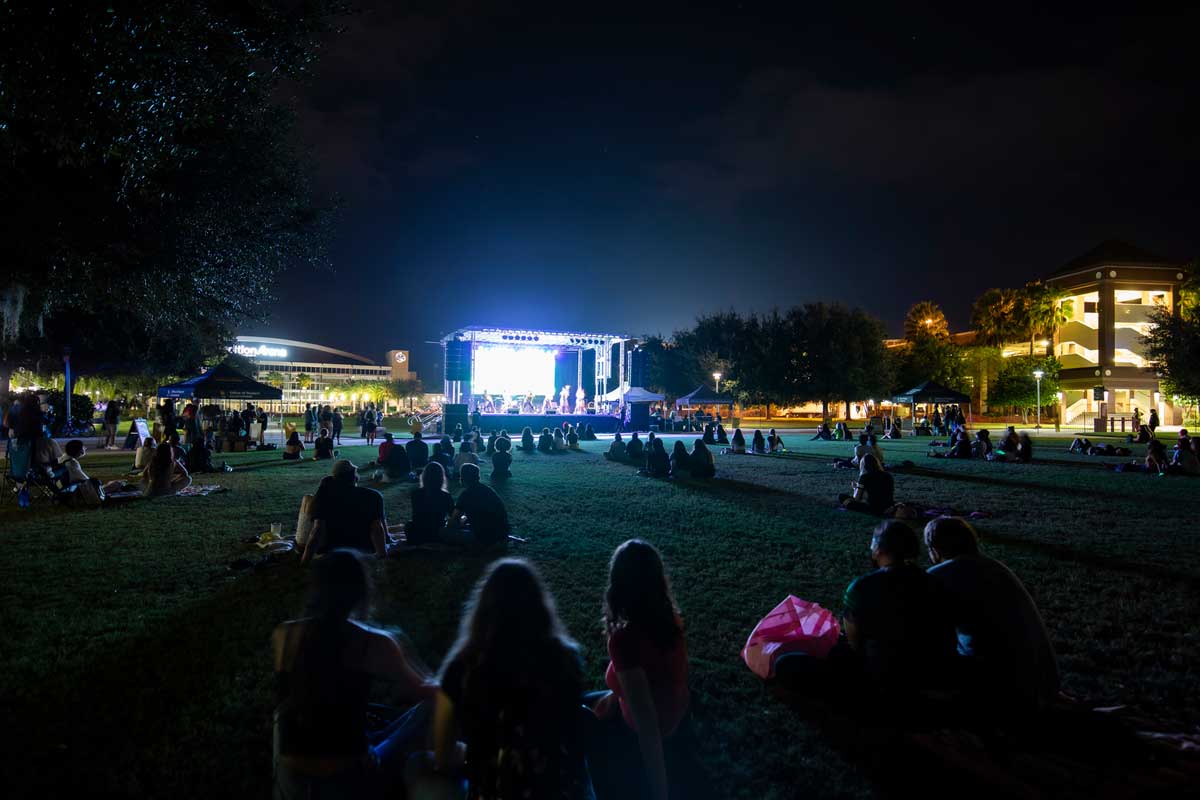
(717, 378)
(1037, 375)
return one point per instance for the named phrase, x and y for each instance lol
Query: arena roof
(267, 348)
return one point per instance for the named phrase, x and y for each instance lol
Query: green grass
(133, 662)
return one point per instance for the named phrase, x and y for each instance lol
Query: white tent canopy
(639, 395)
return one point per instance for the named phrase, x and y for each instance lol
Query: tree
(1046, 310)
(928, 358)
(841, 354)
(1016, 387)
(925, 319)
(1173, 349)
(666, 368)
(998, 317)
(153, 165)
(274, 378)
(407, 388)
(304, 380)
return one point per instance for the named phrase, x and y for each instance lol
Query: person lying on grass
(1007, 663)
(647, 677)
(510, 691)
(873, 491)
(165, 476)
(479, 517)
(346, 516)
(325, 663)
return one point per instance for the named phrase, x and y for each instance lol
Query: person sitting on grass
(894, 430)
(510, 688)
(165, 476)
(895, 619)
(758, 444)
(325, 663)
(502, 460)
(465, 456)
(962, 446)
(589, 435)
(701, 461)
(491, 444)
(294, 447)
(710, 433)
(1143, 435)
(658, 463)
(385, 447)
(616, 450)
(982, 446)
(823, 433)
(458, 432)
(775, 442)
(644, 712)
(346, 515)
(431, 505)
(681, 460)
(527, 444)
(1156, 458)
(323, 448)
(722, 437)
(1024, 448)
(394, 462)
(479, 517)
(559, 442)
(873, 483)
(87, 490)
(443, 453)
(1080, 444)
(737, 445)
(145, 453)
(842, 433)
(1008, 662)
(418, 452)
(199, 457)
(545, 441)
(1183, 459)
(635, 449)
(573, 439)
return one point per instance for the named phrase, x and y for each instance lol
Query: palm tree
(998, 317)
(303, 380)
(925, 319)
(274, 378)
(1047, 310)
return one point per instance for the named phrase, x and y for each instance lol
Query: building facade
(1113, 291)
(325, 372)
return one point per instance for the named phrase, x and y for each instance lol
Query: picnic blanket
(201, 491)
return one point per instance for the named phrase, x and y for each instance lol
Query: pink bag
(794, 626)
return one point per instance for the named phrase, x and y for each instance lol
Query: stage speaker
(458, 361)
(639, 416)
(637, 368)
(454, 414)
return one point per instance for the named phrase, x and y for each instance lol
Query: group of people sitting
(759, 444)
(962, 639)
(323, 446)
(398, 462)
(508, 713)
(557, 440)
(652, 459)
(1013, 448)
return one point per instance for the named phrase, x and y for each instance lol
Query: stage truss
(577, 341)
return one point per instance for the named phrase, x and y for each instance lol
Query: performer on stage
(527, 404)
(562, 399)
(579, 395)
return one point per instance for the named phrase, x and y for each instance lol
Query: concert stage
(515, 423)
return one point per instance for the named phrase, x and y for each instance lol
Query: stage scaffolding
(578, 342)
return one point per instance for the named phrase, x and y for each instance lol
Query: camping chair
(21, 473)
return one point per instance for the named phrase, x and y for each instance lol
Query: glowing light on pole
(717, 378)
(1037, 375)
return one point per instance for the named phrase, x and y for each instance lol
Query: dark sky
(612, 168)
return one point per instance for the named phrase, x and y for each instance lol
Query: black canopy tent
(931, 393)
(221, 382)
(704, 396)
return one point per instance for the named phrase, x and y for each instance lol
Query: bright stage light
(513, 370)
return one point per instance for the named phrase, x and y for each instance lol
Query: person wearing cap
(346, 515)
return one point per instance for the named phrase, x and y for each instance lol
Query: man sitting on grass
(346, 515)
(323, 449)
(479, 516)
(418, 452)
(1008, 661)
(616, 450)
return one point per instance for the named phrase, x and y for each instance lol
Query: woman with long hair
(293, 448)
(511, 688)
(431, 504)
(874, 484)
(165, 475)
(759, 444)
(702, 463)
(527, 443)
(681, 461)
(647, 675)
(738, 443)
(325, 663)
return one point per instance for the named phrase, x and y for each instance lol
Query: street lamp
(1037, 375)
(717, 378)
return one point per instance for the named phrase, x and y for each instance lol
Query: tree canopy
(155, 187)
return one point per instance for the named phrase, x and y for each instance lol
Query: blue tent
(221, 382)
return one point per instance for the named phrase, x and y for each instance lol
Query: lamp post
(717, 378)
(1037, 376)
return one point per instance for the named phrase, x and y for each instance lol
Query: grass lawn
(134, 662)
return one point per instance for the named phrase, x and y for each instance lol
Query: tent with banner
(704, 396)
(221, 382)
(930, 393)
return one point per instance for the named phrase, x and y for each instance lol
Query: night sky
(613, 168)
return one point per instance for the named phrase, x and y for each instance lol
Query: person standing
(370, 420)
(308, 422)
(112, 416)
(261, 417)
(1152, 422)
(337, 426)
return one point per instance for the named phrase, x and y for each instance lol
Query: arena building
(325, 371)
